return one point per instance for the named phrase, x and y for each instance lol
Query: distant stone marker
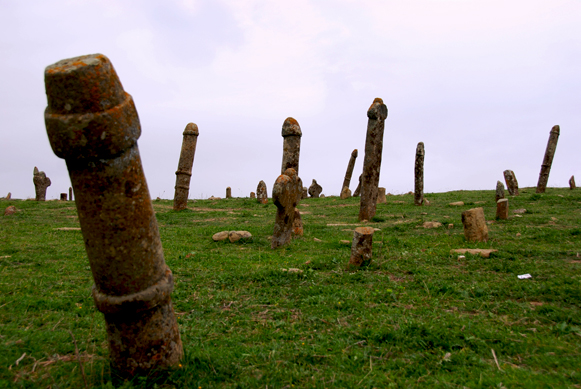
(548, 159)
(285, 196)
(261, 193)
(502, 209)
(381, 199)
(571, 184)
(361, 247)
(63, 197)
(305, 193)
(511, 182)
(252, 195)
(184, 172)
(499, 191)
(475, 229)
(228, 193)
(345, 193)
(41, 182)
(291, 151)
(9, 196)
(357, 192)
(349, 172)
(70, 194)
(92, 123)
(376, 114)
(419, 175)
(315, 189)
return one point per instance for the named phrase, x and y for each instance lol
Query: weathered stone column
(70, 194)
(548, 159)
(502, 209)
(92, 123)
(285, 196)
(475, 229)
(252, 195)
(349, 172)
(499, 191)
(345, 193)
(511, 182)
(372, 162)
(291, 151)
(41, 182)
(361, 246)
(262, 193)
(315, 189)
(228, 193)
(381, 199)
(419, 175)
(184, 172)
(63, 197)
(358, 189)
(572, 183)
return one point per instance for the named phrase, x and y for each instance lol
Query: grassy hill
(418, 316)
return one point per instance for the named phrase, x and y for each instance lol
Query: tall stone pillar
(349, 172)
(419, 175)
(285, 194)
(499, 191)
(511, 182)
(70, 194)
(92, 123)
(184, 172)
(357, 192)
(372, 162)
(548, 159)
(41, 182)
(291, 150)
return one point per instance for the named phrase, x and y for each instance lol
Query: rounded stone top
(291, 127)
(82, 84)
(290, 172)
(191, 129)
(365, 230)
(354, 153)
(377, 110)
(556, 129)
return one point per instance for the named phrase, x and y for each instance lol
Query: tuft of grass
(416, 316)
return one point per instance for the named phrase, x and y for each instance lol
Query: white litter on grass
(524, 276)
(461, 257)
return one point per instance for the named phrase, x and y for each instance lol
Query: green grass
(418, 316)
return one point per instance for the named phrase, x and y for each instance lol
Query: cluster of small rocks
(233, 236)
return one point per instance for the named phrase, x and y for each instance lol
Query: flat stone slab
(68, 229)
(457, 203)
(483, 252)
(432, 224)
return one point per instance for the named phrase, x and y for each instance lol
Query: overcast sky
(481, 83)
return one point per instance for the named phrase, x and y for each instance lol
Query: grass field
(418, 316)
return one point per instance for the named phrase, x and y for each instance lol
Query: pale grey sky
(480, 82)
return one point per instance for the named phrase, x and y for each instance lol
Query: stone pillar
(419, 175)
(70, 194)
(361, 246)
(285, 196)
(305, 193)
(9, 196)
(228, 193)
(184, 172)
(92, 123)
(358, 189)
(502, 209)
(291, 151)
(572, 183)
(315, 189)
(252, 195)
(381, 199)
(349, 172)
(63, 197)
(262, 193)
(548, 159)
(372, 162)
(345, 193)
(499, 191)
(511, 182)
(475, 229)
(41, 182)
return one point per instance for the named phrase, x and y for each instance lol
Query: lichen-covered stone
(184, 172)
(381, 199)
(41, 182)
(548, 159)
(261, 193)
(315, 189)
(372, 162)
(285, 194)
(361, 246)
(511, 182)
(349, 172)
(357, 192)
(419, 175)
(345, 193)
(220, 236)
(502, 209)
(475, 229)
(228, 193)
(235, 236)
(499, 191)
(571, 183)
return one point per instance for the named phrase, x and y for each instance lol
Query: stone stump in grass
(228, 193)
(92, 123)
(305, 193)
(349, 172)
(499, 191)
(511, 182)
(315, 189)
(572, 183)
(361, 246)
(357, 192)
(9, 196)
(548, 159)
(376, 114)
(63, 197)
(381, 199)
(475, 229)
(261, 193)
(184, 172)
(70, 194)
(252, 195)
(502, 209)
(284, 195)
(41, 182)
(345, 193)
(419, 175)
